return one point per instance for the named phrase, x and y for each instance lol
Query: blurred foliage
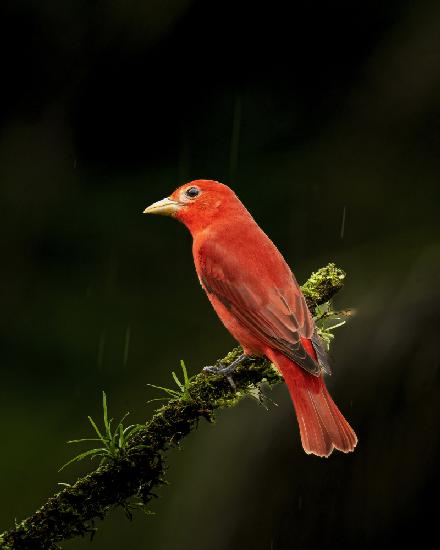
(328, 122)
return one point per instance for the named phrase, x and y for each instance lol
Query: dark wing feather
(321, 353)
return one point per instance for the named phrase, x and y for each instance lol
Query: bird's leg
(226, 370)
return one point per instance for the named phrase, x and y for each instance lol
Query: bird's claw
(219, 369)
(232, 383)
(213, 369)
(225, 370)
(222, 370)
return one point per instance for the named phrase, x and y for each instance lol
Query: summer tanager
(257, 298)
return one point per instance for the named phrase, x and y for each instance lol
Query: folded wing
(275, 314)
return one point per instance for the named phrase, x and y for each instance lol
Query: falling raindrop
(343, 224)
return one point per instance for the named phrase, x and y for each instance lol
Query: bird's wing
(277, 317)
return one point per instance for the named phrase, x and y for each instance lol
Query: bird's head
(198, 204)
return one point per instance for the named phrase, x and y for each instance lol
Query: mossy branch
(140, 469)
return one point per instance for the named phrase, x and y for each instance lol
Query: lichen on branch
(130, 479)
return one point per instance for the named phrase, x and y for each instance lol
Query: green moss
(323, 285)
(140, 470)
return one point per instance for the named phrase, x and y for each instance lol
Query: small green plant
(114, 442)
(182, 392)
(325, 319)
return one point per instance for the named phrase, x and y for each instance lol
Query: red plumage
(322, 425)
(257, 298)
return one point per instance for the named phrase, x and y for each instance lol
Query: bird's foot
(225, 370)
(219, 369)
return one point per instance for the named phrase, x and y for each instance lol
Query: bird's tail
(321, 424)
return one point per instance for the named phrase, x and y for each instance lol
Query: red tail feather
(321, 424)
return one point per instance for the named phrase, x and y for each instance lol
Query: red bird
(259, 301)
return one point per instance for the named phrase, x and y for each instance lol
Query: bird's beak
(165, 207)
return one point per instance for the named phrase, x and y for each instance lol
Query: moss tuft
(323, 285)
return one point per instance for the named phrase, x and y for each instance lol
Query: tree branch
(137, 472)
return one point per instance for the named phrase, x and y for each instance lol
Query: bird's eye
(192, 192)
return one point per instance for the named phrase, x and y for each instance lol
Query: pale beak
(165, 207)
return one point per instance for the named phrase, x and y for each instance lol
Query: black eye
(192, 192)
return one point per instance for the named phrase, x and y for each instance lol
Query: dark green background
(108, 106)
